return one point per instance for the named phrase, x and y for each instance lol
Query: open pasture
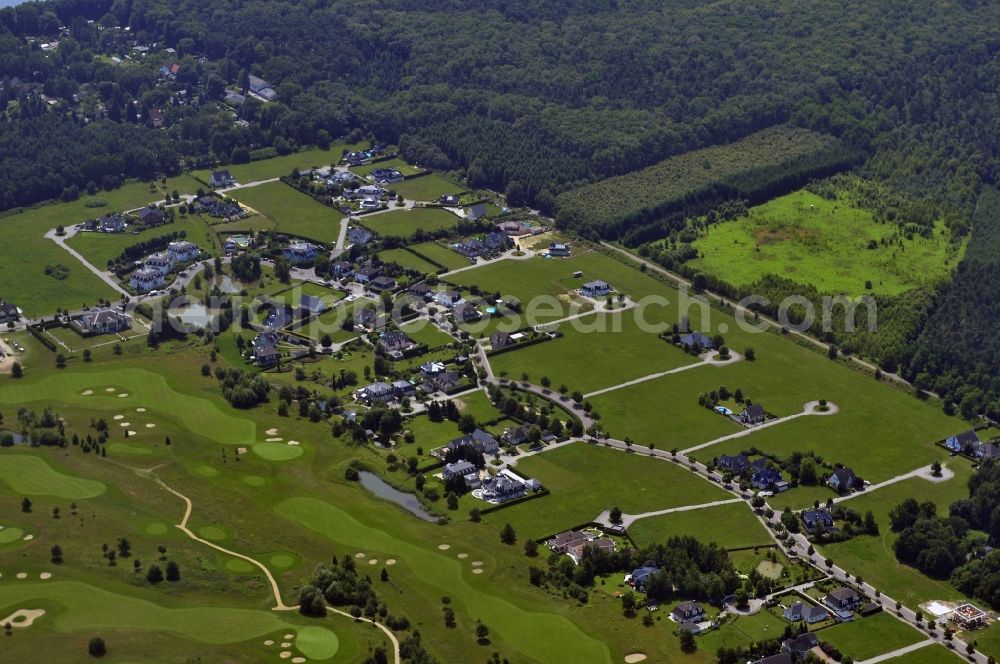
(292, 211)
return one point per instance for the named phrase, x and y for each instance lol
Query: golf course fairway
(32, 476)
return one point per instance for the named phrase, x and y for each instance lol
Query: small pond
(407, 501)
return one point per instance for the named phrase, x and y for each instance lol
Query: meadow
(283, 165)
(440, 254)
(823, 243)
(292, 211)
(729, 526)
(408, 260)
(99, 248)
(428, 187)
(404, 223)
(871, 636)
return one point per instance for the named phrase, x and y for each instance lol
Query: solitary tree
(26, 505)
(530, 548)
(56, 554)
(482, 632)
(173, 571)
(154, 575)
(688, 644)
(507, 535)
(615, 516)
(96, 647)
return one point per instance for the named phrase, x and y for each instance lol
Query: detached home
(967, 441)
(688, 612)
(184, 251)
(807, 613)
(697, 340)
(843, 480)
(8, 312)
(595, 289)
(220, 179)
(162, 262)
(104, 321)
(752, 415)
(143, 281)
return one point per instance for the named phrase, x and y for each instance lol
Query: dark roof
(967, 437)
(843, 594)
(780, 658)
(767, 476)
(477, 211)
(812, 517)
(753, 411)
(803, 642)
(696, 339)
(736, 462)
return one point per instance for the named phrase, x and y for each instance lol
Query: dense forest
(535, 99)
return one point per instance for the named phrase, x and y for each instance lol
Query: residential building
(311, 305)
(162, 262)
(798, 647)
(843, 480)
(470, 248)
(111, 223)
(358, 235)
(382, 283)
(752, 415)
(466, 312)
(103, 321)
(216, 207)
(476, 212)
(366, 317)
(515, 436)
(496, 242)
(769, 479)
(562, 542)
(478, 439)
(143, 281)
(183, 251)
(558, 249)
(448, 200)
(261, 88)
(342, 270)
(967, 441)
(444, 381)
(688, 612)
(990, 450)
(596, 288)
(365, 274)
(395, 341)
(734, 464)
(697, 340)
(500, 340)
(265, 349)
(807, 613)
(817, 521)
(969, 617)
(376, 392)
(640, 576)
(280, 316)
(463, 469)
(8, 312)
(151, 215)
(234, 98)
(220, 179)
(155, 118)
(448, 299)
(300, 252)
(780, 658)
(842, 600)
(428, 369)
(576, 552)
(403, 388)
(421, 290)
(387, 175)
(501, 488)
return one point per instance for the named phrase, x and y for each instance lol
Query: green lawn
(428, 187)
(27, 253)
(867, 637)
(396, 163)
(812, 240)
(730, 526)
(404, 223)
(743, 631)
(932, 654)
(585, 479)
(32, 476)
(99, 248)
(424, 332)
(266, 169)
(441, 254)
(407, 259)
(481, 408)
(292, 211)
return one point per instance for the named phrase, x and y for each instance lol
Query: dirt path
(810, 408)
(279, 602)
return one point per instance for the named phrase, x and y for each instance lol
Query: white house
(595, 289)
(183, 251)
(162, 262)
(143, 281)
(104, 321)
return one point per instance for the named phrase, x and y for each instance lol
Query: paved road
(746, 432)
(898, 652)
(102, 275)
(924, 473)
(707, 359)
(628, 519)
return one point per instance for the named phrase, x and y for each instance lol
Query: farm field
(404, 223)
(428, 187)
(729, 526)
(407, 260)
(27, 252)
(280, 166)
(292, 211)
(99, 248)
(871, 636)
(814, 241)
(586, 479)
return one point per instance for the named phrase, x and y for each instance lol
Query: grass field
(283, 165)
(871, 636)
(404, 223)
(31, 476)
(932, 654)
(396, 163)
(428, 187)
(425, 332)
(812, 240)
(292, 211)
(441, 254)
(99, 248)
(22, 272)
(586, 479)
(480, 407)
(407, 259)
(742, 632)
(729, 526)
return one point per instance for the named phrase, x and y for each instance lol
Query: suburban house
(732, 463)
(967, 441)
(183, 251)
(639, 576)
(496, 241)
(8, 312)
(500, 340)
(515, 436)
(311, 305)
(382, 282)
(216, 207)
(478, 439)
(441, 382)
(596, 288)
(448, 200)
(395, 342)
(476, 212)
(366, 317)
(371, 203)
(162, 262)
(501, 488)
(561, 542)
(843, 601)
(463, 469)
(261, 88)
(577, 551)
(300, 252)
(687, 612)
(358, 235)
(342, 270)
(280, 316)
(969, 617)
(235, 98)
(170, 70)
(798, 647)
(421, 290)
(111, 223)
(220, 179)
(365, 274)
(466, 312)
(513, 228)
(989, 450)
(817, 520)
(143, 281)
(151, 215)
(752, 415)
(428, 369)
(358, 158)
(103, 321)
(155, 118)
(387, 175)
(769, 479)
(807, 613)
(697, 340)
(470, 248)
(558, 249)
(843, 480)
(265, 349)
(780, 658)
(376, 392)
(403, 388)
(448, 298)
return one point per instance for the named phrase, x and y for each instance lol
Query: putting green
(128, 450)
(317, 642)
(206, 471)
(10, 534)
(90, 607)
(538, 636)
(254, 480)
(277, 451)
(197, 414)
(33, 476)
(156, 529)
(239, 566)
(282, 560)
(212, 533)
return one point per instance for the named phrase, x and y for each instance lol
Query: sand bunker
(286, 644)
(241, 450)
(123, 395)
(444, 547)
(274, 440)
(298, 660)
(285, 654)
(477, 563)
(271, 432)
(23, 617)
(269, 642)
(28, 538)
(289, 637)
(109, 389)
(131, 433)
(150, 426)
(359, 555)
(125, 424)
(45, 575)
(140, 410)
(635, 658)
(391, 561)
(87, 393)
(22, 575)
(463, 556)
(293, 442)
(373, 561)
(119, 417)
(478, 570)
